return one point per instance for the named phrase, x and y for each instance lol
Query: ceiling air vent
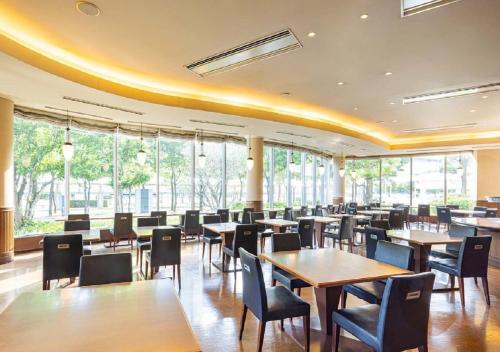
(153, 124)
(218, 123)
(88, 102)
(78, 112)
(259, 49)
(293, 134)
(412, 7)
(492, 87)
(441, 128)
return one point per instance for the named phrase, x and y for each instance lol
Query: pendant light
(292, 165)
(342, 169)
(460, 168)
(202, 158)
(68, 149)
(321, 167)
(141, 154)
(250, 160)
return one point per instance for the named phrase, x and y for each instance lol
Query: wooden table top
(322, 219)
(486, 223)
(277, 222)
(138, 316)
(357, 217)
(423, 237)
(326, 267)
(373, 212)
(222, 227)
(467, 212)
(147, 231)
(87, 235)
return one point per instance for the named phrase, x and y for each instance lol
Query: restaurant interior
(246, 175)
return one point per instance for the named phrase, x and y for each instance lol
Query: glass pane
(309, 180)
(396, 181)
(267, 176)
(209, 179)
(175, 175)
(91, 174)
(236, 174)
(39, 176)
(280, 178)
(137, 183)
(365, 180)
(296, 181)
(428, 181)
(461, 180)
(349, 182)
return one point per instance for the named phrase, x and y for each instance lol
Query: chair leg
(262, 329)
(173, 272)
(234, 267)
(153, 269)
(147, 268)
(298, 291)
(282, 325)
(423, 348)
(243, 318)
(350, 245)
(461, 289)
(486, 289)
(340, 244)
(203, 251)
(220, 249)
(179, 275)
(343, 299)
(306, 322)
(452, 281)
(337, 337)
(137, 256)
(475, 280)
(273, 283)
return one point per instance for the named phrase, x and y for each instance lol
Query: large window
(296, 181)
(395, 181)
(236, 175)
(91, 174)
(280, 178)
(175, 174)
(268, 195)
(428, 180)
(209, 177)
(137, 191)
(461, 180)
(364, 176)
(309, 183)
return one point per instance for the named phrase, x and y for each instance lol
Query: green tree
(174, 166)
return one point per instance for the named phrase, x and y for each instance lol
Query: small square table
(226, 232)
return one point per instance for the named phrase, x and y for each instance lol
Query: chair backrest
(192, 220)
(424, 210)
(397, 205)
(162, 217)
(453, 206)
(375, 205)
(404, 312)
(381, 224)
(148, 221)
(296, 215)
(285, 242)
(480, 208)
(211, 219)
(224, 215)
(78, 217)
(306, 232)
(272, 214)
(491, 213)
(473, 256)
(247, 216)
(396, 219)
(459, 231)
(100, 269)
(318, 210)
(373, 235)
(406, 212)
(444, 215)
(61, 256)
(76, 225)
(351, 211)
(394, 254)
(258, 215)
(287, 215)
(123, 225)
(352, 205)
(236, 216)
(303, 210)
(330, 208)
(254, 288)
(245, 236)
(346, 229)
(166, 247)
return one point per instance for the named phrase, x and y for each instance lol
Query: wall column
(337, 182)
(6, 181)
(255, 176)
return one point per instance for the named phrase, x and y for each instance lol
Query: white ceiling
(449, 47)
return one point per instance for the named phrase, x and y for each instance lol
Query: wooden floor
(212, 302)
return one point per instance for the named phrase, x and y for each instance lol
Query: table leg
(422, 253)
(319, 228)
(327, 300)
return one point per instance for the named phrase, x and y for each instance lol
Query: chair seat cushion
(288, 279)
(331, 234)
(443, 254)
(370, 292)
(143, 239)
(360, 321)
(282, 303)
(144, 246)
(449, 265)
(87, 250)
(266, 233)
(211, 239)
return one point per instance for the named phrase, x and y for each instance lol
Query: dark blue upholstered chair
(452, 250)
(210, 238)
(373, 235)
(165, 251)
(286, 242)
(306, 232)
(344, 232)
(246, 218)
(224, 215)
(79, 225)
(268, 304)
(101, 269)
(61, 258)
(386, 252)
(262, 231)
(399, 323)
(443, 217)
(144, 244)
(472, 261)
(162, 217)
(245, 236)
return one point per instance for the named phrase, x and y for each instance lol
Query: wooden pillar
(337, 182)
(6, 181)
(255, 176)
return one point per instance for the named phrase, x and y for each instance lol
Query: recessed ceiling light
(380, 122)
(392, 103)
(484, 97)
(364, 16)
(286, 93)
(394, 121)
(340, 83)
(311, 34)
(88, 8)
(355, 108)
(388, 73)
(472, 110)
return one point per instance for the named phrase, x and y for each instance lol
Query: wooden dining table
(277, 225)
(463, 213)
(320, 223)
(136, 316)
(380, 213)
(422, 242)
(226, 231)
(327, 270)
